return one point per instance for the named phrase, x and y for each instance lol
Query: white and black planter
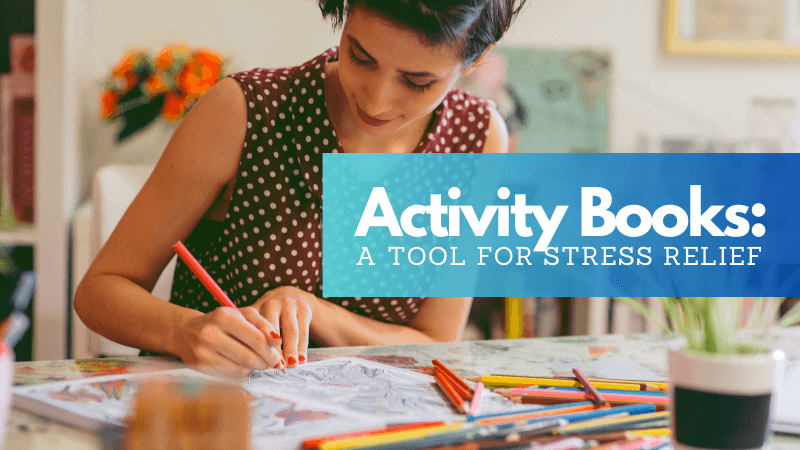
(721, 402)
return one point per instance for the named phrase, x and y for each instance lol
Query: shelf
(24, 235)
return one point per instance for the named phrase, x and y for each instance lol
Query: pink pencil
(564, 444)
(476, 399)
(582, 395)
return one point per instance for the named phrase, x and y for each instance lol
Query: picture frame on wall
(732, 28)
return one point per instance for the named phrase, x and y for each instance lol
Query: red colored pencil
(463, 393)
(311, 444)
(201, 274)
(209, 283)
(451, 394)
(598, 399)
(453, 376)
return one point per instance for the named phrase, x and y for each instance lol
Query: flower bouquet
(141, 88)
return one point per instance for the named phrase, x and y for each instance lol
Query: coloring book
(320, 398)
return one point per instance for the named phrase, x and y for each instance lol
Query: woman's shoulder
(474, 122)
(276, 83)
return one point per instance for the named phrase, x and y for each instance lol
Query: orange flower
(156, 84)
(124, 76)
(200, 73)
(108, 104)
(175, 106)
(171, 53)
(211, 61)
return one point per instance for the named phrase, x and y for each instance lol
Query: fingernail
(302, 359)
(291, 361)
(278, 366)
(275, 335)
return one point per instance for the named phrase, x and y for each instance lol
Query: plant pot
(721, 401)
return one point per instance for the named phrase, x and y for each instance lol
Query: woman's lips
(369, 120)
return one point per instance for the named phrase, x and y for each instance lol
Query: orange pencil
(453, 376)
(451, 394)
(212, 286)
(457, 387)
(534, 414)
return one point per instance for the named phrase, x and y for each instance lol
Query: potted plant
(721, 375)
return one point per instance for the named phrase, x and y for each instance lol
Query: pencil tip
(475, 379)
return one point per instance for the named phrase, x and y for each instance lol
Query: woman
(240, 184)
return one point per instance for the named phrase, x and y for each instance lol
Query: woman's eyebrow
(354, 41)
(357, 44)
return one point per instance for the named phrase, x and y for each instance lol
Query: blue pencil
(605, 391)
(633, 410)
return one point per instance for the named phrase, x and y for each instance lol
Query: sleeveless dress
(271, 235)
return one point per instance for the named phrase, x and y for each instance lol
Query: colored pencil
(551, 393)
(476, 399)
(313, 443)
(463, 393)
(468, 433)
(206, 279)
(363, 441)
(635, 444)
(530, 411)
(453, 376)
(596, 396)
(521, 381)
(652, 432)
(653, 386)
(535, 400)
(211, 285)
(593, 425)
(571, 418)
(547, 413)
(566, 444)
(459, 403)
(601, 412)
(602, 391)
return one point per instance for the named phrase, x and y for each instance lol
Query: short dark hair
(470, 25)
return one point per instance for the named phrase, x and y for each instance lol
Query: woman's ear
(475, 63)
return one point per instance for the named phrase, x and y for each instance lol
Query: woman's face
(390, 77)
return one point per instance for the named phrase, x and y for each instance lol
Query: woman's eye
(357, 60)
(417, 87)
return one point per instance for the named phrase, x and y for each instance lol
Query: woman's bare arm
(190, 180)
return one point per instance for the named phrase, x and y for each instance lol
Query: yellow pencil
(606, 422)
(523, 381)
(390, 437)
(651, 432)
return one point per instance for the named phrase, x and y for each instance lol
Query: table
(601, 356)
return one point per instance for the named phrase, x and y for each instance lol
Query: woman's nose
(377, 98)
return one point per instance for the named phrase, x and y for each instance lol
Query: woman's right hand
(221, 342)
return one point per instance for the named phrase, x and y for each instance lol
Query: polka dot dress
(271, 235)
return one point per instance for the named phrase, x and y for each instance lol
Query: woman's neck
(352, 137)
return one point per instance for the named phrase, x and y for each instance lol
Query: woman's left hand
(289, 309)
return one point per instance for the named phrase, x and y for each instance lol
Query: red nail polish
(292, 361)
(277, 366)
(275, 335)
(302, 359)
